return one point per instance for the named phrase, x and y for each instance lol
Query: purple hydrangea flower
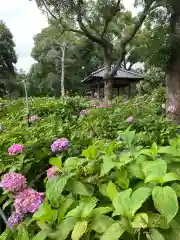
(14, 182)
(34, 118)
(171, 108)
(15, 149)
(52, 172)
(84, 112)
(14, 219)
(131, 119)
(28, 201)
(60, 145)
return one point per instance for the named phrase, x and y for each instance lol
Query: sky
(25, 20)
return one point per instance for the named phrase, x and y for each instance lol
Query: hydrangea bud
(131, 119)
(15, 219)
(84, 112)
(14, 182)
(15, 149)
(52, 172)
(34, 118)
(60, 145)
(28, 201)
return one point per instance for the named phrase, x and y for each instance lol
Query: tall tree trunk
(108, 80)
(63, 48)
(172, 78)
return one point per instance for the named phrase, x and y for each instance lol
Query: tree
(82, 57)
(7, 60)
(94, 19)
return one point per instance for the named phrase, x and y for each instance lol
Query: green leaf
(55, 162)
(135, 170)
(101, 223)
(111, 190)
(114, 232)
(127, 136)
(140, 221)
(154, 149)
(22, 233)
(176, 188)
(55, 187)
(138, 198)
(72, 163)
(63, 230)
(169, 177)
(154, 170)
(89, 205)
(155, 235)
(64, 207)
(42, 235)
(79, 230)
(45, 213)
(122, 178)
(7, 203)
(79, 188)
(165, 201)
(121, 202)
(107, 165)
(155, 220)
(102, 210)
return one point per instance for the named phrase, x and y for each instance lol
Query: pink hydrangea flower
(171, 108)
(84, 112)
(131, 119)
(15, 149)
(52, 172)
(15, 219)
(14, 182)
(60, 145)
(28, 201)
(34, 118)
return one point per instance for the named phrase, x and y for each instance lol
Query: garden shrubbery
(85, 170)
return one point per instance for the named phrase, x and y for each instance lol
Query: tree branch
(88, 34)
(127, 38)
(113, 14)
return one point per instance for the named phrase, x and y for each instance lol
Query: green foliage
(116, 181)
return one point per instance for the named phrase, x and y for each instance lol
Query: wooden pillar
(118, 91)
(129, 91)
(98, 89)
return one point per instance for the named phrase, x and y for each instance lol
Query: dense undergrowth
(116, 179)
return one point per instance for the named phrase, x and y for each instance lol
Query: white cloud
(25, 20)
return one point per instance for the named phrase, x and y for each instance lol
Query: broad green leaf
(64, 207)
(7, 203)
(79, 230)
(121, 202)
(45, 213)
(165, 201)
(154, 235)
(55, 187)
(154, 149)
(155, 220)
(107, 165)
(65, 227)
(103, 189)
(127, 136)
(89, 205)
(154, 170)
(167, 150)
(114, 232)
(138, 198)
(102, 210)
(169, 177)
(140, 221)
(111, 190)
(76, 212)
(101, 223)
(72, 163)
(79, 188)
(135, 170)
(122, 178)
(55, 162)
(176, 188)
(42, 235)
(22, 233)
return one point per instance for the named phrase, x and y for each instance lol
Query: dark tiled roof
(121, 74)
